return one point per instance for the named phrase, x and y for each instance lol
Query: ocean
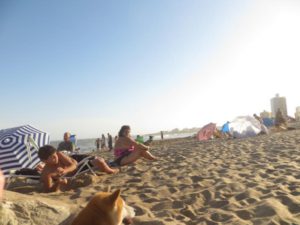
(89, 145)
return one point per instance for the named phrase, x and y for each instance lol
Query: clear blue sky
(91, 66)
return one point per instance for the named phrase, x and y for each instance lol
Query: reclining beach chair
(32, 176)
(83, 167)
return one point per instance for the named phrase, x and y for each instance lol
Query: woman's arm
(136, 144)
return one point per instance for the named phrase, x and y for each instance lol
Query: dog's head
(112, 207)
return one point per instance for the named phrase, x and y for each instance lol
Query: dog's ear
(114, 196)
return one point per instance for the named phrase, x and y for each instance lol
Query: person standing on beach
(280, 121)
(66, 145)
(127, 150)
(110, 142)
(162, 135)
(149, 141)
(98, 143)
(264, 129)
(103, 142)
(258, 118)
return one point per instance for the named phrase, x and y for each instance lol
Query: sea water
(89, 145)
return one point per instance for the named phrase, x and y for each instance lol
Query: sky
(91, 66)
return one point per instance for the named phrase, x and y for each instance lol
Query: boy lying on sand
(58, 164)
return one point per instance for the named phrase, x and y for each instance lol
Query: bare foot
(112, 171)
(151, 157)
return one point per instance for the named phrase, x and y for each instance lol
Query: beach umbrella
(19, 147)
(206, 132)
(244, 126)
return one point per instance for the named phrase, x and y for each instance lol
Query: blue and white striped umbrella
(19, 147)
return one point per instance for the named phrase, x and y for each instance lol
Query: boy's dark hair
(46, 151)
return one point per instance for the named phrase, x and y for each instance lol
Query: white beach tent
(244, 126)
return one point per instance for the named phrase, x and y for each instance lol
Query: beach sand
(237, 181)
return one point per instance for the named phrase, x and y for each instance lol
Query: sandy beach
(237, 181)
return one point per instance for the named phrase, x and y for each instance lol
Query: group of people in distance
(101, 142)
(58, 164)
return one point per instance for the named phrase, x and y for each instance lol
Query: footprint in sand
(196, 179)
(295, 193)
(161, 206)
(138, 211)
(218, 203)
(293, 205)
(173, 190)
(151, 200)
(208, 195)
(135, 180)
(177, 205)
(152, 222)
(221, 217)
(244, 214)
(188, 213)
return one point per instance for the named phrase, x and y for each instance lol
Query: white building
(297, 113)
(278, 103)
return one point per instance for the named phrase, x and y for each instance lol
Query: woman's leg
(147, 155)
(135, 155)
(102, 166)
(131, 158)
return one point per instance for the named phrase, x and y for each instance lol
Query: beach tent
(244, 126)
(19, 147)
(268, 122)
(225, 127)
(206, 132)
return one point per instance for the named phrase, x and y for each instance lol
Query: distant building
(297, 113)
(278, 103)
(265, 114)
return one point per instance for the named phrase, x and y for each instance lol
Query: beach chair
(30, 179)
(82, 167)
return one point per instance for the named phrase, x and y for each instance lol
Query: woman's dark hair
(123, 128)
(46, 151)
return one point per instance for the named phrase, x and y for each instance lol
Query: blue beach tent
(225, 128)
(268, 122)
(19, 147)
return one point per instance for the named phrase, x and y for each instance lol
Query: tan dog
(105, 208)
